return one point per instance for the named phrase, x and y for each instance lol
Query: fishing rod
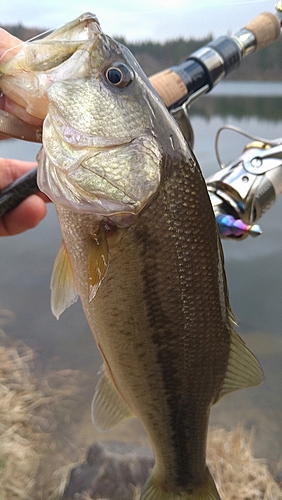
(180, 85)
(260, 164)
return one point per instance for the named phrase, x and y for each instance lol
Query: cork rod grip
(169, 86)
(266, 29)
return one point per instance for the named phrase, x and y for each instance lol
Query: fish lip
(89, 16)
(86, 20)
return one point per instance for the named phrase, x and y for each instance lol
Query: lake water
(249, 89)
(254, 270)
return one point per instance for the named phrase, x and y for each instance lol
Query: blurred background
(250, 99)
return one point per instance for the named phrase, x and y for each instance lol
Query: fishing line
(11, 48)
(21, 44)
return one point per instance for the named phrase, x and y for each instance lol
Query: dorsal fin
(97, 261)
(108, 407)
(63, 289)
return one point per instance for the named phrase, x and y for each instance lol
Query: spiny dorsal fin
(97, 262)
(63, 289)
(108, 408)
(243, 368)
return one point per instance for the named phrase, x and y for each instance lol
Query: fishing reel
(244, 189)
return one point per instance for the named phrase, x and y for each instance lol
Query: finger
(9, 45)
(26, 216)
(10, 170)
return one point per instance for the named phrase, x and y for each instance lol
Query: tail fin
(154, 491)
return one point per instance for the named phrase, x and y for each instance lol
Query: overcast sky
(140, 19)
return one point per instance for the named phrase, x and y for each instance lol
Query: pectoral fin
(108, 408)
(97, 262)
(63, 289)
(243, 368)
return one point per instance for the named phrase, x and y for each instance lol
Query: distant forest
(153, 56)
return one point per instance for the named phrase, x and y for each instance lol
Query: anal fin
(108, 407)
(243, 368)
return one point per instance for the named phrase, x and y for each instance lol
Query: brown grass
(33, 462)
(34, 466)
(20, 437)
(239, 476)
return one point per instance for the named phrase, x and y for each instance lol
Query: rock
(112, 471)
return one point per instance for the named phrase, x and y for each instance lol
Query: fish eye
(119, 75)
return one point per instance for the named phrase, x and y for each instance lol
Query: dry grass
(239, 476)
(32, 463)
(34, 467)
(20, 438)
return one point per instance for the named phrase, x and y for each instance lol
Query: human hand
(31, 211)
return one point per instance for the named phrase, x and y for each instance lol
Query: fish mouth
(84, 27)
(90, 24)
(27, 77)
(89, 164)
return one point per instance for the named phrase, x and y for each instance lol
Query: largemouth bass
(140, 248)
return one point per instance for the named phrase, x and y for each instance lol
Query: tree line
(265, 64)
